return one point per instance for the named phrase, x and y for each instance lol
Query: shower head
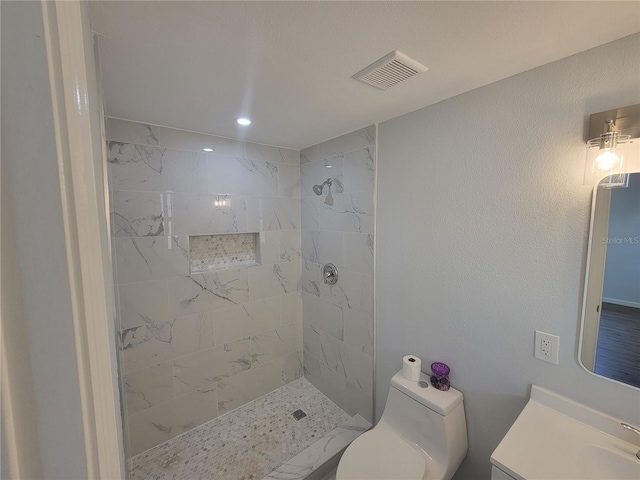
(317, 189)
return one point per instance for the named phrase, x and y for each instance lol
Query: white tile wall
(159, 423)
(350, 212)
(138, 214)
(242, 176)
(131, 132)
(323, 247)
(146, 168)
(256, 151)
(195, 346)
(338, 320)
(323, 315)
(291, 312)
(149, 387)
(153, 343)
(289, 181)
(314, 173)
(148, 258)
(206, 291)
(196, 214)
(269, 247)
(273, 213)
(309, 154)
(290, 245)
(143, 303)
(277, 279)
(197, 369)
(246, 319)
(248, 385)
(197, 142)
(363, 138)
(358, 252)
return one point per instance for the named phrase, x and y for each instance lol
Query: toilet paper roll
(411, 367)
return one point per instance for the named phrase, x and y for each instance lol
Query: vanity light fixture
(614, 152)
(607, 153)
(208, 149)
(243, 121)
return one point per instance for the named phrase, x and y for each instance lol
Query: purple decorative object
(440, 376)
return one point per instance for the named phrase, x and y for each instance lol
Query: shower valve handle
(330, 274)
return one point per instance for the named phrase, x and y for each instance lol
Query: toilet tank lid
(432, 398)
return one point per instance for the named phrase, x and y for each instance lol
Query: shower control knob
(330, 274)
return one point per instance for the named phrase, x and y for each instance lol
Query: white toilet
(422, 435)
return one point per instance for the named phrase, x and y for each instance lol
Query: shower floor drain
(299, 414)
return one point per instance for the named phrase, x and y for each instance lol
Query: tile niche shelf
(216, 252)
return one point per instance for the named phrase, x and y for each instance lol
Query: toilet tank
(432, 420)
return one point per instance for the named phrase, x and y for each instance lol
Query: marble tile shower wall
(338, 319)
(194, 346)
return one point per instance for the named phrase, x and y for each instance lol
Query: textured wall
(196, 346)
(338, 319)
(482, 234)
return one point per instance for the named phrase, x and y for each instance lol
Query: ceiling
(288, 65)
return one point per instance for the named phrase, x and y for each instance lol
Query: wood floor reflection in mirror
(618, 354)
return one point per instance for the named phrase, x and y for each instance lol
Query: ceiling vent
(390, 70)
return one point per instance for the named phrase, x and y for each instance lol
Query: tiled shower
(338, 320)
(217, 259)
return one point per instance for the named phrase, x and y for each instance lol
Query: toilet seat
(381, 455)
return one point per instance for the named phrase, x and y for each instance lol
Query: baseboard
(623, 303)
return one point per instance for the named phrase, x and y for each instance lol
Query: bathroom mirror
(610, 343)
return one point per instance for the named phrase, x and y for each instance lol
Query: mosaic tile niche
(214, 252)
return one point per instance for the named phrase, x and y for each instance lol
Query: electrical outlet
(547, 347)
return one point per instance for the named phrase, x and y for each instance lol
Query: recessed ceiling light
(208, 149)
(243, 121)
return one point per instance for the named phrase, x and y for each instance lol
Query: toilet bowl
(422, 435)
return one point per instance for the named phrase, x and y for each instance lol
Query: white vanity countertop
(556, 438)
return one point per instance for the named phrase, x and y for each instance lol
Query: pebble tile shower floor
(247, 443)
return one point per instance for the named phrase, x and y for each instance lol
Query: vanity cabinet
(497, 474)
(556, 438)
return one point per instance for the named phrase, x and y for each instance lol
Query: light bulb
(607, 160)
(243, 121)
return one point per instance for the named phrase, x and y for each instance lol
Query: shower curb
(323, 455)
